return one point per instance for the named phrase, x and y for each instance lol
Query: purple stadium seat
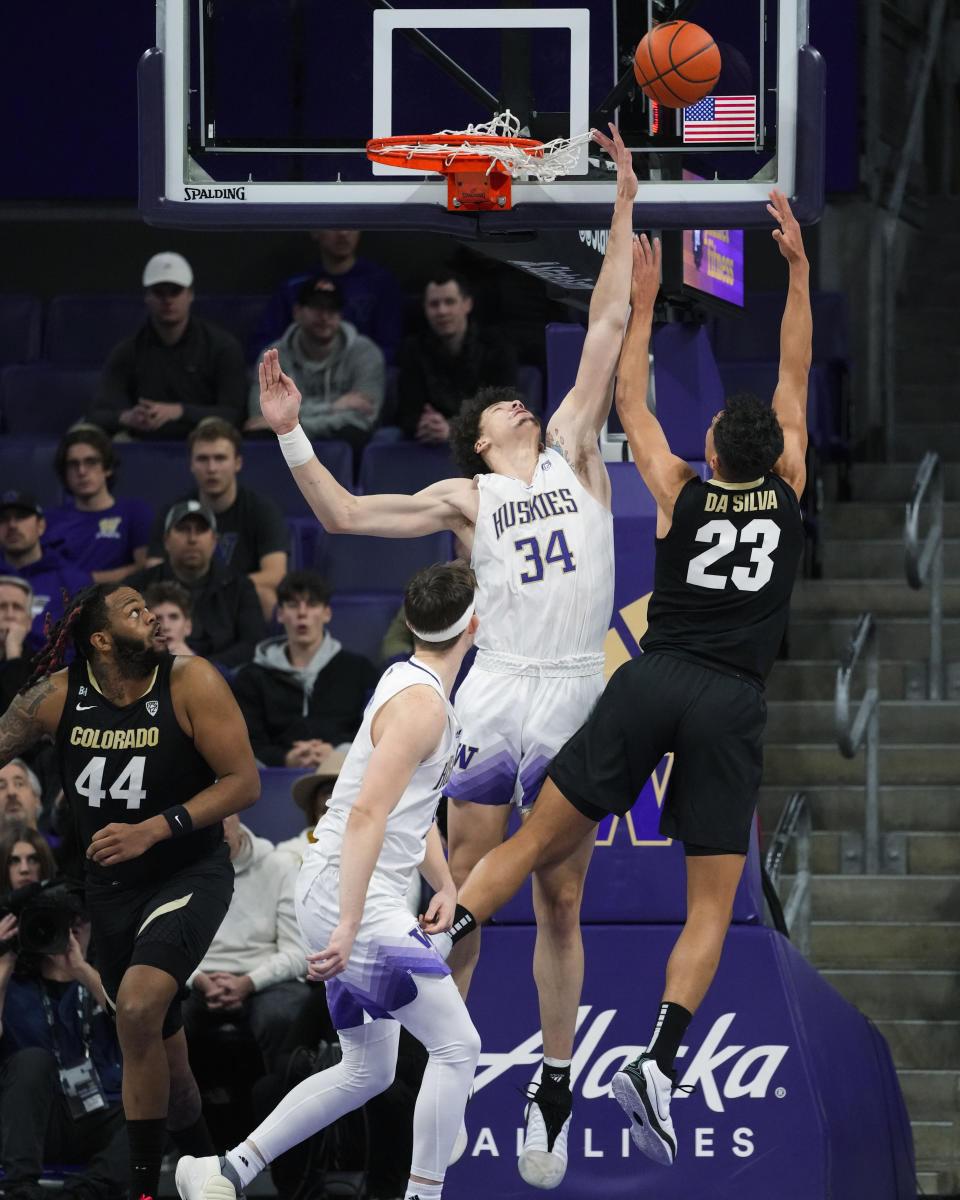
(369, 564)
(21, 321)
(530, 382)
(43, 399)
(688, 387)
(360, 619)
(275, 816)
(403, 466)
(264, 470)
(26, 464)
(153, 471)
(760, 378)
(236, 313)
(83, 329)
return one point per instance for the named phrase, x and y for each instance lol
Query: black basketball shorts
(168, 924)
(657, 703)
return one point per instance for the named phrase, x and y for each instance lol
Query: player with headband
(379, 966)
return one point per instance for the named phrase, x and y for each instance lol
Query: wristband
(179, 821)
(464, 922)
(295, 446)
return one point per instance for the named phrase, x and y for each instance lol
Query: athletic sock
(423, 1191)
(555, 1074)
(194, 1139)
(241, 1165)
(147, 1140)
(672, 1023)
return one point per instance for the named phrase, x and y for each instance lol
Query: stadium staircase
(890, 943)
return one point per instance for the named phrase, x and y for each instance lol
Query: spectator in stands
(16, 660)
(95, 531)
(303, 694)
(252, 535)
(22, 525)
(170, 604)
(25, 858)
(373, 303)
(225, 611)
(21, 797)
(55, 1028)
(448, 362)
(311, 793)
(255, 969)
(176, 369)
(339, 372)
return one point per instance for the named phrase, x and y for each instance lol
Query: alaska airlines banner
(795, 1095)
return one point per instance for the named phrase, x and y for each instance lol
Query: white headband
(443, 635)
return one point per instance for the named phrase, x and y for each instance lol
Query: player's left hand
(439, 915)
(333, 960)
(626, 176)
(117, 843)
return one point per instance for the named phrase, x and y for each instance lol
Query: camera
(45, 913)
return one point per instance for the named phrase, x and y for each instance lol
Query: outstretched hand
(279, 397)
(788, 236)
(645, 279)
(626, 178)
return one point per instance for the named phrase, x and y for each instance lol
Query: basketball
(677, 63)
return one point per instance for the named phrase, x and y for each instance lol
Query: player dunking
(378, 964)
(727, 554)
(153, 752)
(540, 531)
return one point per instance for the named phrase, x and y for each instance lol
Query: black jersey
(126, 764)
(724, 573)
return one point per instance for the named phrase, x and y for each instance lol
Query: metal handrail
(794, 823)
(924, 563)
(863, 728)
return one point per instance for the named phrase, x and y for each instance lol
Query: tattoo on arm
(556, 441)
(21, 726)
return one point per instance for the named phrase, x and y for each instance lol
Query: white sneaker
(200, 1179)
(643, 1092)
(543, 1159)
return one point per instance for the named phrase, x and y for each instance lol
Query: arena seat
(275, 816)
(40, 398)
(264, 470)
(530, 382)
(357, 563)
(360, 619)
(26, 464)
(158, 472)
(760, 378)
(21, 325)
(82, 329)
(237, 313)
(403, 466)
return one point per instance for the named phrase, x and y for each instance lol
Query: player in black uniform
(153, 752)
(727, 554)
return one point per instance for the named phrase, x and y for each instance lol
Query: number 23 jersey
(125, 764)
(724, 574)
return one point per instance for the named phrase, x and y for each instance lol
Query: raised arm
(405, 731)
(444, 505)
(579, 419)
(662, 472)
(796, 347)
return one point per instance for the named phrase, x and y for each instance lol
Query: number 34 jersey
(724, 574)
(126, 764)
(543, 557)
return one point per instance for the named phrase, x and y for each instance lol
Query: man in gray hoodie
(303, 694)
(340, 373)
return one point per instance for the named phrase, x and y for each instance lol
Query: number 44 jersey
(724, 574)
(125, 764)
(543, 557)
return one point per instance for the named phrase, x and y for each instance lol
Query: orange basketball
(677, 63)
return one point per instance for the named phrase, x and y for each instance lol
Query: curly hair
(465, 427)
(747, 437)
(85, 615)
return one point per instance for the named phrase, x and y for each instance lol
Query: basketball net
(492, 151)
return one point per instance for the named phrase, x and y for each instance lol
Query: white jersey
(409, 823)
(543, 557)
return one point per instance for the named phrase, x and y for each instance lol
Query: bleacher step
(884, 945)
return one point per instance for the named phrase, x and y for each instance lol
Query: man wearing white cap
(176, 369)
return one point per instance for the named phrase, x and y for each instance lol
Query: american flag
(721, 119)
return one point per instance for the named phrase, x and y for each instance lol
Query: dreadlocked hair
(84, 615)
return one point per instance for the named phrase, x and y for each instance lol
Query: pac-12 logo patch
(152, 706)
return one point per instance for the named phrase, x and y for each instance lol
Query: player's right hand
(325, 964)
(279, 397)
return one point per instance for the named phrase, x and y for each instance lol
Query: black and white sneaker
(643, 1092)
(543, 1159)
